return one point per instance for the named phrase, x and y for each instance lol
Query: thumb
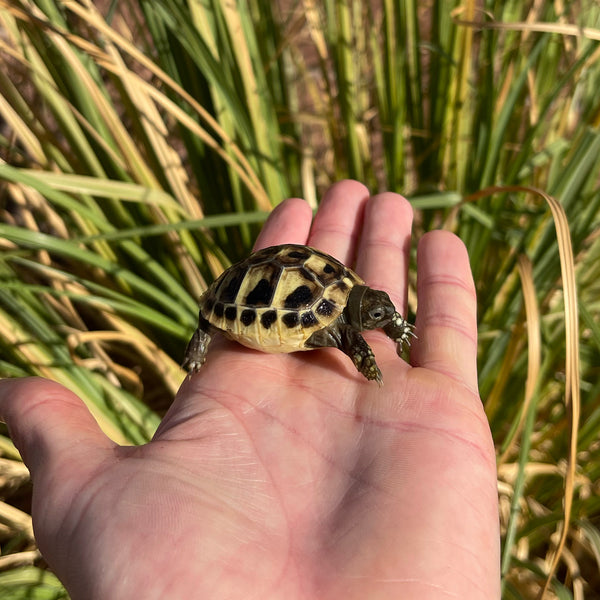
(48, 424)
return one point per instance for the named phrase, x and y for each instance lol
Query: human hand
(288, 476)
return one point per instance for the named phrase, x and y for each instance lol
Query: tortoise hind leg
(195, 353)
(352, 343)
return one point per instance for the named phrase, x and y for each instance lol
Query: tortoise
(293, 297)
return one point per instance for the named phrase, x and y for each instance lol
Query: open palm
(288, 476)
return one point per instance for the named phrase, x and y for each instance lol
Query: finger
(384, 249)
(289, 223)
(446, 323)
(337, 224)
(47, 422)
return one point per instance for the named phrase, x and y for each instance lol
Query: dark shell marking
(275, 299)
(248, 316)
(301, 296)
(268, 318)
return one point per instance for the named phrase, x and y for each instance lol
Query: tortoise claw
(399, 330)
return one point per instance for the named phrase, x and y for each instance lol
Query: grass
(143, 143)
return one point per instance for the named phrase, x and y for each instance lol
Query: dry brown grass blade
(534, 343)
(123, 333)
(535, 27)
(227, 152)
(34, 354)
(572, 389)
(496, 394)
(19, 559)
(243, 167)
(16, 520)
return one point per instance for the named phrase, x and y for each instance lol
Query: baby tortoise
(292, 297)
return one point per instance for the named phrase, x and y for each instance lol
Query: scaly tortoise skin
(291, 297)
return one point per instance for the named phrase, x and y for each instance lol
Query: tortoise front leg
(352, 343)
(400, 331)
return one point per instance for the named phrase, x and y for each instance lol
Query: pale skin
(288, 476)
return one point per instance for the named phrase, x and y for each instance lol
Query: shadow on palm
(242, 381)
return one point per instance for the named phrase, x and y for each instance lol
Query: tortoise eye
(376, 313)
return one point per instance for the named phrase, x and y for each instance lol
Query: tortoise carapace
(291, 297)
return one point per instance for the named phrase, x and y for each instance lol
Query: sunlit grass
(143, 144)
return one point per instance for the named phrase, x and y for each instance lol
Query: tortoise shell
(278, 297)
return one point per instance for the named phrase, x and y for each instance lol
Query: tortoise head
(368, 309)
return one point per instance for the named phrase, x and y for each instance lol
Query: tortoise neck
(354, 306)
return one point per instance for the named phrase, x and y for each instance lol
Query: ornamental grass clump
(142, 144)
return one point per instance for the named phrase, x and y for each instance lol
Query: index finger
(288, 223)
(384, 248)
(446, 323)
